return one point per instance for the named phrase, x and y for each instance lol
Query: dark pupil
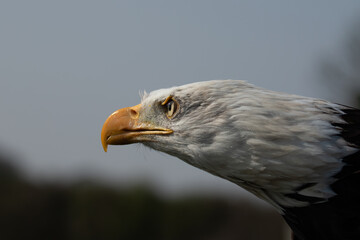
(170, 105)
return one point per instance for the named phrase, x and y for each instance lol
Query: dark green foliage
(90, 211)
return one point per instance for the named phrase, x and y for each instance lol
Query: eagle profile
(299, 154)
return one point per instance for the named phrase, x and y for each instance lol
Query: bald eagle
(299, 154)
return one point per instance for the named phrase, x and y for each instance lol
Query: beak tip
(104, 145)
(104, 136)
(105, 148)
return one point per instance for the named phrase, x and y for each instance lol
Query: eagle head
(192, 122)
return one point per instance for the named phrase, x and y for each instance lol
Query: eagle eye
(171, 106)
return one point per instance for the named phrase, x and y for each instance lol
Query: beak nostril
(133, 113)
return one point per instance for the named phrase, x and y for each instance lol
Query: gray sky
(66, 65)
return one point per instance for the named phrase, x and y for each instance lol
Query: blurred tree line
(86, 210)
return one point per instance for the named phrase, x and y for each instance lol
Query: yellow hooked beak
(124, 127)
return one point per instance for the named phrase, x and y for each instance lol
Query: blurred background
(66, 65)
